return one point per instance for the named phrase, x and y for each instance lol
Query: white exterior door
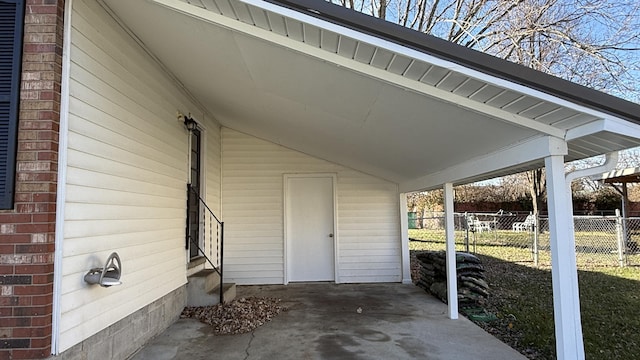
(310, 238)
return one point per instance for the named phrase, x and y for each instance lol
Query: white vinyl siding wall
(126, 176)
(368, 219)
(211, 167)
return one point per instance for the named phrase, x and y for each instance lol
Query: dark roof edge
(467, 57)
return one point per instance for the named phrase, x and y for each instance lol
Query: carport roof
(628, 175)
(371, 95)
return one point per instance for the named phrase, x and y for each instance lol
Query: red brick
(41, 320)
(41, 341)
(9, 301)
(33, 217)
(5, 312)
(33, 290)
(34, 125)
(27, 156)
(47, 135)
(31, 332)
(39, 48)
(36, 176)
(15, 239)
(7, 249)
(35, 228)
(48, 155)
(14, 218)
(34, 249)
(46, 208)
(30, 311)
(34, 269)
(14, 322)
(42, 279)
(42, 300)
(20, 354)
(38, 218)
(44, 197)
(23, 197)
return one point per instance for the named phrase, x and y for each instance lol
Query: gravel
(239, 316)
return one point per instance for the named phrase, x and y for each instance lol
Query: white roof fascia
(403, 50)
(522, 153)
(612, 125)
(363, 69)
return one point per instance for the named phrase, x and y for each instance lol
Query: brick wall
(27, 231)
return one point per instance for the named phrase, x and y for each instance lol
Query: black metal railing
(205, 224)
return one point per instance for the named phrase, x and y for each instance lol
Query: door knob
(330, 235)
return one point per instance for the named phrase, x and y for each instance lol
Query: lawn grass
(521, 298)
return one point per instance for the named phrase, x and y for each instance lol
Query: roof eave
(467, 57)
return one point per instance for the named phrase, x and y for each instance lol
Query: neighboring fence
(521, 237)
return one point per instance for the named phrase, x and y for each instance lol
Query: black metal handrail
(219, 240)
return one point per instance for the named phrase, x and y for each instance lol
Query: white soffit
(497, 97)
(346, 96)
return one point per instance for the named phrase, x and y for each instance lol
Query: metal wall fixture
(189, 122)
(108, 275)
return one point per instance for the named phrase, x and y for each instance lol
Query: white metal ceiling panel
(416, 70)
(574, 120)
(434, 75)
(468, 87)
(226, 8)
(277, 23)
(399, 64)
(294, 29)
(259, 18)
(504, 99)
(486, 93)
(539, 110)
(212, 6)
(197, 3)
(364, 53)
(381, 58)
(522, 105)
(330, 41)
(347, 47)
(452, 82)
(242, 12)
(311, 35)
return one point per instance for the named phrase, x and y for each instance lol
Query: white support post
(404, 233)
(566, 304)
(452, 283)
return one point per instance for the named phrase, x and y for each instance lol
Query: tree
(590, 42)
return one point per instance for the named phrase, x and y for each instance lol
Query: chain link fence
(524, 238)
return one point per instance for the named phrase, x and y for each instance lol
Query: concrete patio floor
(322, 322)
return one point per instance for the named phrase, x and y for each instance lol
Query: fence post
(536, 226)
(466, 237)
(620, 235)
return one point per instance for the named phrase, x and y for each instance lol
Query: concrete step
(203, 289)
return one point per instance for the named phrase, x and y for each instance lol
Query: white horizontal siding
(127, 167)
(252, 186)
(212, 167)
